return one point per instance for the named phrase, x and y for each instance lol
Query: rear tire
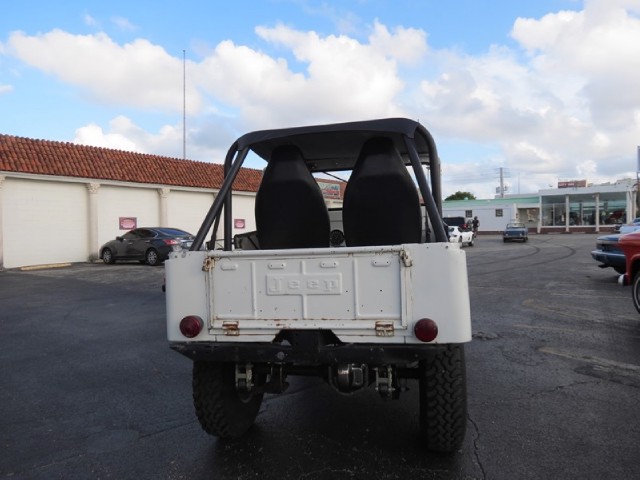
(151, 257)
(220, 408)
(443, 399)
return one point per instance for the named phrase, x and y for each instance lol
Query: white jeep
(382, 301)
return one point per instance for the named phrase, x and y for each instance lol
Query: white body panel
(349, 291)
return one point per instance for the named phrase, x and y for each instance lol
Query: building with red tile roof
(60, 201)
(64, 159)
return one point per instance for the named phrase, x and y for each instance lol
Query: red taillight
(426, 330)
(191, 326)
(171, 241)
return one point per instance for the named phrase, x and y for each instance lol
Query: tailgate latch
(384, 329)
(231, 329)
(406, 258)
(208, 264)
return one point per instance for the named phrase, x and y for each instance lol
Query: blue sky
(546, 90)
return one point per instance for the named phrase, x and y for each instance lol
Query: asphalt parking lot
(89, 388)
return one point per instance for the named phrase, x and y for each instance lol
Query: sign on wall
(128, 223)
(329, 190)
(572, 184)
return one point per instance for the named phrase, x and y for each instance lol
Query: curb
(44, 267)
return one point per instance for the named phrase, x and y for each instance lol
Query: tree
(461, 196)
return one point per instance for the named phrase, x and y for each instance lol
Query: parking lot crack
(559, 388)
(476, 446)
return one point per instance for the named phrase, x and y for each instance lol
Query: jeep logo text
(304, 284)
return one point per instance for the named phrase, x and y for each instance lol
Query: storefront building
(572, 207)
(593, 208)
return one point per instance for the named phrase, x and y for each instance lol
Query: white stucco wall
(186, 209)
(244, 208)
(43, 222)
(125, 201)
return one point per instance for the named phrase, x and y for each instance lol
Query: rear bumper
(310, 355)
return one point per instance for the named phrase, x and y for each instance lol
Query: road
(90, 390)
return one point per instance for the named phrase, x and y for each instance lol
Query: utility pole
(184, 106)
(501, 183)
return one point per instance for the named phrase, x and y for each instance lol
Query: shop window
(468, 213)
(498, 212)
(554, 215)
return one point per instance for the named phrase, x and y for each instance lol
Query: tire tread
(443, 400)
(220, 410)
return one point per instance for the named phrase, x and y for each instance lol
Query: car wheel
(107, 256)
(471, 243)
(504, 240)
(443, 399)
(222, 410)
(635, 291)
(151, 257)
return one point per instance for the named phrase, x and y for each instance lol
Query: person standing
(475, 224)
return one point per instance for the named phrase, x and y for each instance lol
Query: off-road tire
(220, 408)
(443, 400)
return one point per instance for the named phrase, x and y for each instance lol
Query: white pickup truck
(386, 305)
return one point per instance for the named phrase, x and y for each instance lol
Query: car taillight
(171, 241)
(426, 330)
(191, 326)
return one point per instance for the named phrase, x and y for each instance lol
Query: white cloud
(564, 101)
(5, 89)
(124, 24)
(137, 74)
(406, 45)
(343, 78)
(568, 107)
(202, 143)
(93, 135)
(90, 21)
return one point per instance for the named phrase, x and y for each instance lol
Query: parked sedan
(609, 253)
(515, 231)
(459, 235)
(148, 245)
